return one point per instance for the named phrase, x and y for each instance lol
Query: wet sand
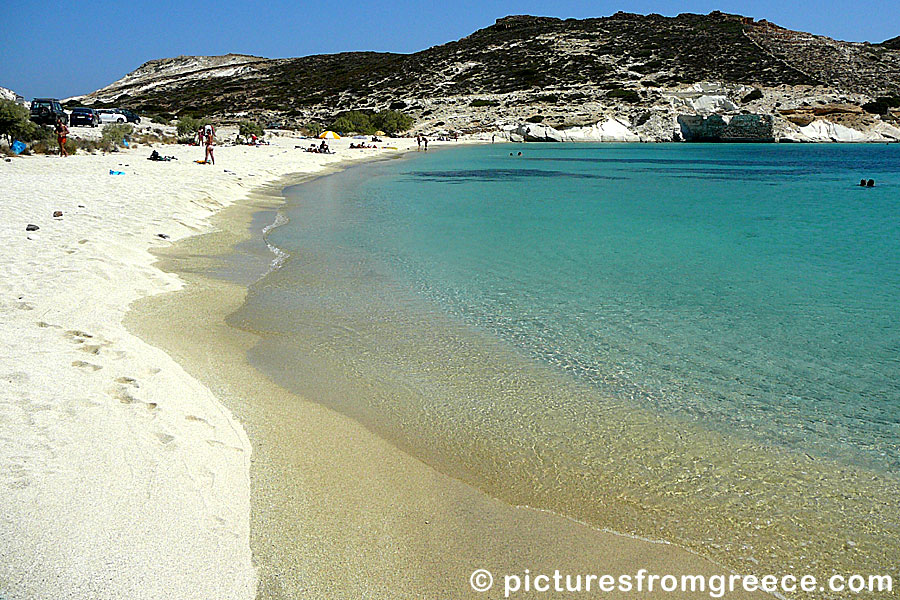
(336, 511)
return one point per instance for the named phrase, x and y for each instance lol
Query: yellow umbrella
(329, 135)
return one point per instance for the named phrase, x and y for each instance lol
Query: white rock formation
(611, 130)
(886, 131)
(826, 131)
(708, 104)
(706, 98)
(532, 132)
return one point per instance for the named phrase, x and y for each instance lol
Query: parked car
(118, 115)
(45, 111)
(84, 116)
(131, 117)
(110, 115)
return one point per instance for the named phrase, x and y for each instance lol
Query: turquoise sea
(586, 328)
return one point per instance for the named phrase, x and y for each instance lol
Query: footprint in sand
(81, 338)
(86, 365)
(165, 438)
(124, 397)
(97, 344)
(199, 420)
(128, 381)
(78, 336)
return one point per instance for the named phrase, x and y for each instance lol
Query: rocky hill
(562, 72)
(893, 43)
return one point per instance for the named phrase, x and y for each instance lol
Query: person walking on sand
(62, 133)
(419, 140)
(425, 141)
(209, 134)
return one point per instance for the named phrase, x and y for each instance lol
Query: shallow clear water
(750, 287)
(507, 318)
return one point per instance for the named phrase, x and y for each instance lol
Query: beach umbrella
(329, 135)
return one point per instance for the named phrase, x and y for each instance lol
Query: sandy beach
(122, 476)
(130, 471)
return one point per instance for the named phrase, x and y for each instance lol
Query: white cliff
(707, 104)
(826, 131)
(611, 130)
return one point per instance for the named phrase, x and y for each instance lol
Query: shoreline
(318, 503)
(122, 476)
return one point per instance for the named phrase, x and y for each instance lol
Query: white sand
(120, 475)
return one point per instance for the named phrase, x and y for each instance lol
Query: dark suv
(45, 111)
(84, 116)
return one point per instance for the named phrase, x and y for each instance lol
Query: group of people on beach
(320, 149)
(421, 140)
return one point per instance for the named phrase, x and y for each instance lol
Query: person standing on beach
(419, 140)
(62, 133)
(425, 141)
(209, 134)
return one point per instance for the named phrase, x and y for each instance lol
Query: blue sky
(61, 49)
